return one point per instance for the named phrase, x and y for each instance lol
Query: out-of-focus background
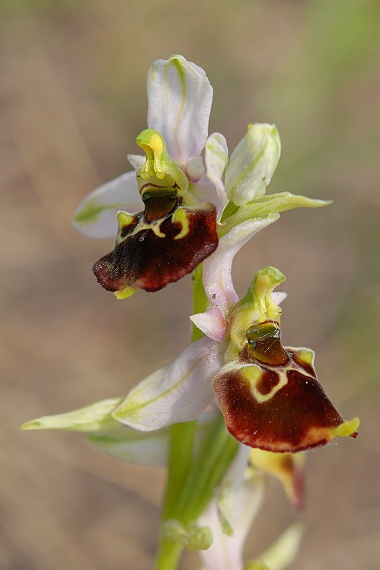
(73, 99)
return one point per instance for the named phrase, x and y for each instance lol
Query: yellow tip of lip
(348, 428)
(125, 293)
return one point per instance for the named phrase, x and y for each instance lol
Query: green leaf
(94, 417)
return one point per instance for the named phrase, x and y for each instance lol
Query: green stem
(192, 480)
(168, 555)
(208, 469)
(181, 446)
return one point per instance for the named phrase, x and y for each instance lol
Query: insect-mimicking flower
(269, 395)
(173, 230)
(164, 214)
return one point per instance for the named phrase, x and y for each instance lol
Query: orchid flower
(164, 213)
(269, 395)
(175, 231)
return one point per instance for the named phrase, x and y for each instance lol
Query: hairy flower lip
(161, 252)
(277, 408)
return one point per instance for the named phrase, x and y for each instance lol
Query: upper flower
(164, 213)
(166, 241)
(175, 231)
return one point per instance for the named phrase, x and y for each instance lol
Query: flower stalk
(191, 480)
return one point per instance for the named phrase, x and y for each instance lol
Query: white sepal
(179, 105)
(96, 218)
(176, 393)
(217, 279)
(141, 447)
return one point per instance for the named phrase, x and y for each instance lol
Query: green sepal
(190, 536)
(267, 205)
(94, 417)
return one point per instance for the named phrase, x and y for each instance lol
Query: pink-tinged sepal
(278, 406)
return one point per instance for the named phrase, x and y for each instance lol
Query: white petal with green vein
(176, 393)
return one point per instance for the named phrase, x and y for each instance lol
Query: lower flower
(269, 395)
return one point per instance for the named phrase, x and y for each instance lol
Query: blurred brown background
(73, 84)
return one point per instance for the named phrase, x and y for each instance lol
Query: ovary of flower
(231, 513)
